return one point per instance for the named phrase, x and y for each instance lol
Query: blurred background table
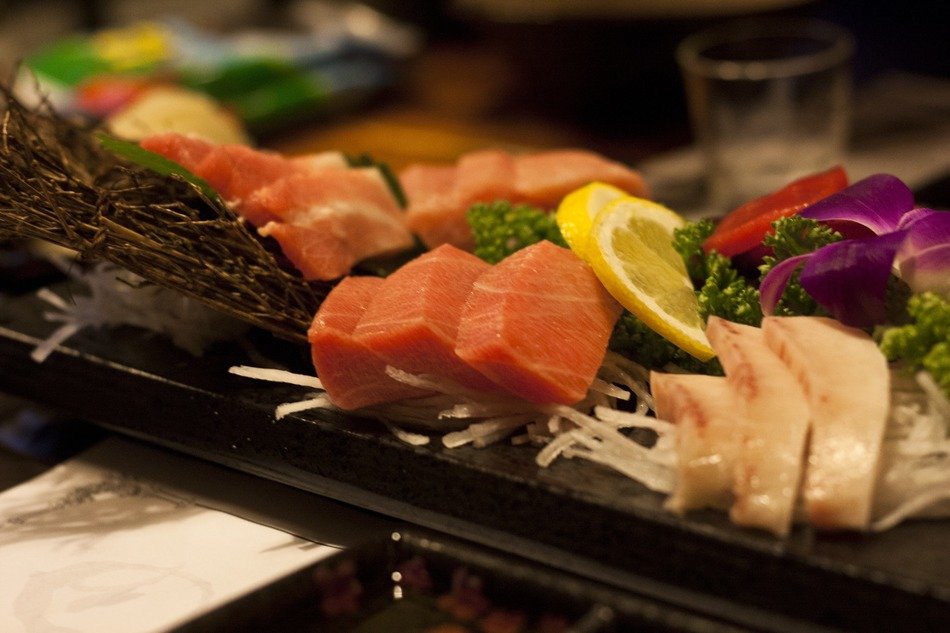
(516, 74)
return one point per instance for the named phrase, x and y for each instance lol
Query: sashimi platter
(765, 381)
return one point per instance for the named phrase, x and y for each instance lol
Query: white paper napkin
(90, 547)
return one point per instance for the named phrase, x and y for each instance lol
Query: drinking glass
(769, 101)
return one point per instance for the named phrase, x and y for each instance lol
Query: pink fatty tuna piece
(332, 219)
(186, 150)
(315, 252)
(294, 196)
(484, 176)
(537, 323)
(432, 212)
(319, 161)
(413, 321)
(775, 416)
(237, 171)
(440, 195)
(545, 178)
(353, 375)
(705, 413)
(845, 377)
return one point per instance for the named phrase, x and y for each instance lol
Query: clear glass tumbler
(769, 101)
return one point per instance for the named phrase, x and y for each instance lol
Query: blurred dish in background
(169, 108)
(332, 57)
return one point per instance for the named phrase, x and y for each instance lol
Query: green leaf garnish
(156, 162)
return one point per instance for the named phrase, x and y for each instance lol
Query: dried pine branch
(58, 184)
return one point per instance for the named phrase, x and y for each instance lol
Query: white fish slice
(706, 416)
(774, 429)
(846, 380)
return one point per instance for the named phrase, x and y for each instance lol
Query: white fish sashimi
(775, 421)
(705, 414)
(846, 380)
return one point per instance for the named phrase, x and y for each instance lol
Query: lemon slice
(577, 211)
(630, 248)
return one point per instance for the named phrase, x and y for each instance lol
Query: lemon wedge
(577, 211)
(630, 248)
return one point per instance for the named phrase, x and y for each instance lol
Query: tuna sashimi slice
(319, 161)
(332, 219)
(775, 416)
(545, 178)
(292, 196)
(440, 195)
(413, 321)
(316, 252)
(432, 212)
(353, 375)
(704, 410)
(184, 149)
(429, 183)
(845, 377)
(538, 324)
(237, 171)
(484, 176)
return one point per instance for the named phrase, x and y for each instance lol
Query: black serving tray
(579, 517)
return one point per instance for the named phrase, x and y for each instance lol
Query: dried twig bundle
(57, 183)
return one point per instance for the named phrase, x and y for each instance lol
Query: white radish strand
(117, 297)
(276, 375)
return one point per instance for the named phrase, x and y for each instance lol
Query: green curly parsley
(502, 228)
(924, 343)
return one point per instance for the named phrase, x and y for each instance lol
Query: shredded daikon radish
(118, 297)
(479, 432)
(601, 442)
(914, 479)
(276, 375)
(609, 389)
(413, 439)
(440, 384)
(644, 471)
(484, 409)
(621, 370)
(318, 402)
(555, 447)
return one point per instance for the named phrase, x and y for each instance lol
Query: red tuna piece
(440, 196)
(353, 375)
(433, 213)
(331, 219)
(546, 177)
(413, 321)
(296, 196)
(538, 324)
(236, 171)
(485, 176)
(314, 251)
(187, 151)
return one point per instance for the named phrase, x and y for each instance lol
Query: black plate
(579, 517)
